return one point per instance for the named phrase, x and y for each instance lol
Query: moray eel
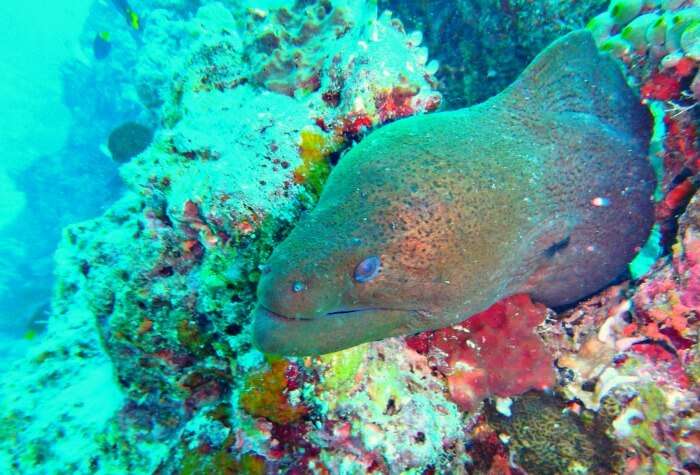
(543, 189)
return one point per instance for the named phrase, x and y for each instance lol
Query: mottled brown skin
(467, 207)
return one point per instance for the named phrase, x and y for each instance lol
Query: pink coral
(668, 303)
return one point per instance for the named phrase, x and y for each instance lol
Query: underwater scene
(350, 237)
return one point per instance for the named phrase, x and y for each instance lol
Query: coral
(390, 414)
(315, 167)
(648, 40)
(166, 276)
(495, 352)
(60, 373)
(343, 366)
(221, 462)
(288, 46)
(633, 349)
(264, 395)
(128, 140)
(666, 305)
(544, 438)
(482, 46)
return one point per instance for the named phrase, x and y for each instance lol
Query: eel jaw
(277, 334)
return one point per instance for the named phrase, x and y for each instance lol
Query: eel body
(543, 189)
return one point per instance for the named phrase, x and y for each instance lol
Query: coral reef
(656, 44)
(489, 42)
(167, 275)
(638, 348)
(147, 366)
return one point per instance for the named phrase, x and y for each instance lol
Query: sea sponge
(495, 352)
(129, 140)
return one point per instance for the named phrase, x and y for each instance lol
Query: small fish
(101, 45)
(38, 321)
(544, 189)
(131, 16)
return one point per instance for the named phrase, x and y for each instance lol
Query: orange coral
(265, 395)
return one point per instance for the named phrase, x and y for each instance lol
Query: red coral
(352, 125)
(662, 87)
(495, 352)
(681, 145)
(191, 211)
(673, 370)
(489, 454)
(395, 103)
(675, 200)
(685, 67)
(688, 267)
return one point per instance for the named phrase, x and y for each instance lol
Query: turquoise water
(37, 42)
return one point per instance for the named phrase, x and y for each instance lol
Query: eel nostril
(264, 268)
(298, 286)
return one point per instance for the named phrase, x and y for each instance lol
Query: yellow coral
(313, 150)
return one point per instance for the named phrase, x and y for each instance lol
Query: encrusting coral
(472, 354)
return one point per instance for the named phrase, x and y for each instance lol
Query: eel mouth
(276, 333)
(334, 313)
(279, 316)
(356, 310)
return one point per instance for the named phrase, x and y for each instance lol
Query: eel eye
(367, 269)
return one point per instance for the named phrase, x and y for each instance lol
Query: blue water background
(52, 171)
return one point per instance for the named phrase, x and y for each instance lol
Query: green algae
(214, 272)
(221, 462)
(650, 402)
(316, 177)
(693, 368)
(194, 338)
(342, 368)
(654, 402)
